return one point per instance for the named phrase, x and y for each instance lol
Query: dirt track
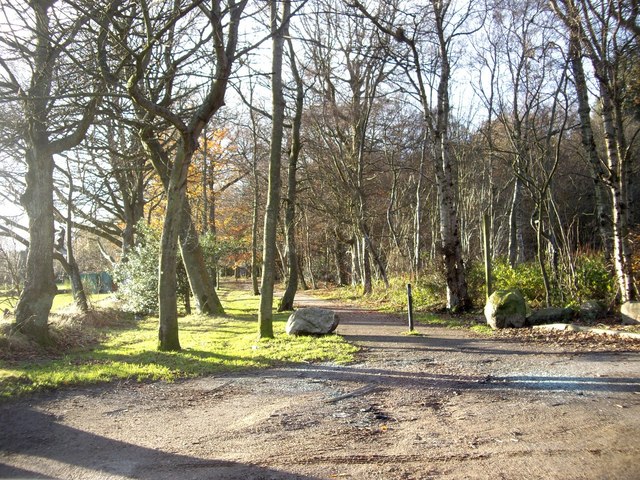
(444, 405)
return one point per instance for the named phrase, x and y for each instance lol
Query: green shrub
(430, 291)
(476, 283)
(593, 279)
(137, 276)
(525, 277)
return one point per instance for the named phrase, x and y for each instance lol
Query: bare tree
(596, 34)
(279, 31)
(286, 302)
(427, 31)
(350, 61)
(162, 53)
(57, 110)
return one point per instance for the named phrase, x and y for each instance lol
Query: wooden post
(410, 307)
(486, 230)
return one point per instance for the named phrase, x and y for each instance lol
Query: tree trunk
(457, 294)
(199, 277)
(77, 288)
(541, 262)
(300, 267)
(71, 267)
(200, 281)
(265, 316)
(309, 258)
(516, 244)
(34, 305)
(70, 264)
(618, 186)
(366, 269)
(167, 296)
(286, 303)
(131, 180)
(589, 144)
(417, 220)
(342, 276)
(254, 235)
(356, 270)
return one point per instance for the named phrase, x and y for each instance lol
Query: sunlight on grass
(210, 345)
(482, 329)
(60, 301)
(413, 333)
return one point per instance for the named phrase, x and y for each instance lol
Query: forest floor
(441, 404)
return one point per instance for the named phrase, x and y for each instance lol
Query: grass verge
(126, 349)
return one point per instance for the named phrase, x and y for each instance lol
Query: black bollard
(410, 307)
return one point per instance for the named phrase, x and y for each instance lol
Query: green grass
(209, 345)
(464, 322)
(60, 301)
(413, 333)
(483, 329)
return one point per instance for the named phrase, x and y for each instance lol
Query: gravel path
(444, 404)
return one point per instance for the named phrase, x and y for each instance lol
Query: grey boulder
(312, 321)
(549, 315)
(592, 310)
(505, 308)
(630, 313)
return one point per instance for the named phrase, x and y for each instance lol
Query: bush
(430, 291)
(476, 283)
(525, 277)
(137, 275)
(593, 280)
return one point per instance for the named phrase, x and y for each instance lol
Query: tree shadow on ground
(390, 378)
(71, 452)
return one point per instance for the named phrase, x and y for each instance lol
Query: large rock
(505, 308)
(316, 321)
(549, 315)
(592, 310)
(630, 313)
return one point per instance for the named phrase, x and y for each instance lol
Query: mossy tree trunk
(286, 302)
(279, 30)
(34, 305)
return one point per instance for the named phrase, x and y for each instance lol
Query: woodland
(303, 143)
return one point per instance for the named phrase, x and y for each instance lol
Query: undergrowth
(589, 278)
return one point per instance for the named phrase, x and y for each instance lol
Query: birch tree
(426, 34)
(596, 34)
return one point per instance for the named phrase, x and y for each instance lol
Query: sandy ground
(446, 404)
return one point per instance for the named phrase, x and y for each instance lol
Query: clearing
(443, 404)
